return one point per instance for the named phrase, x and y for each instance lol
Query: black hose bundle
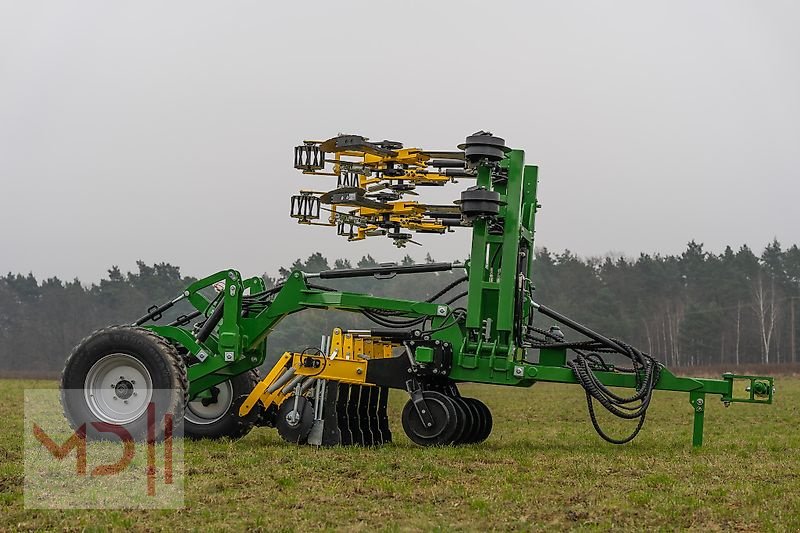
(647, 371)
(447, 288)
(645, 368)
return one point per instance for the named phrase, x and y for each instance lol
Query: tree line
(692, 309)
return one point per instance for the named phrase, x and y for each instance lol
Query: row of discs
(456, 420)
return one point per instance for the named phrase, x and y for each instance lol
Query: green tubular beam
(240, 343)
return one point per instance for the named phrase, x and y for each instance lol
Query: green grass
(543, 468)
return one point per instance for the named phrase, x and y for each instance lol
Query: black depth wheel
(218, 417)
(295, 425)
(445, 423)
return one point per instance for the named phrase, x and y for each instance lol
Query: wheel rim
(118, 389)
(198, 413)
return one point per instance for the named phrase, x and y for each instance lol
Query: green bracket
(698, 401)
(759, 389)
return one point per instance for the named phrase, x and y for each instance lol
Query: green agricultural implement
(336, 393)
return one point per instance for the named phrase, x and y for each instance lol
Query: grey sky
(163, 130)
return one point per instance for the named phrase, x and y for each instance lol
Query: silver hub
(118, 389)
(205, 411)
(293, 418)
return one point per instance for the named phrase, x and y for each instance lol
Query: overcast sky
(164, 130)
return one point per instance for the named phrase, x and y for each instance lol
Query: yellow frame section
(347, 363)
(259, 392)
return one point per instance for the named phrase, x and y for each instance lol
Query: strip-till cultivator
(336, 393)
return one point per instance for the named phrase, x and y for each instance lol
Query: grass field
(543, 468)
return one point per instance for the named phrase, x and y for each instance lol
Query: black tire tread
(168, 351)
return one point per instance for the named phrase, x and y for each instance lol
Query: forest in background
(693, 309)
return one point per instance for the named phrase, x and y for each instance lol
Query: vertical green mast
(502, 251)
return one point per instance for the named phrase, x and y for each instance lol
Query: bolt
(430, 424)
(409, 370)
(115, 397)
(134, 394)
(699, 401)
(423, 411)
(359, 371)
(133, 382)
(122, 377)
(124, 401)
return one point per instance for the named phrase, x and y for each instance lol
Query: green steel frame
(486, 344)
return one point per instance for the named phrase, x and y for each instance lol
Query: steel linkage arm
(233, 340)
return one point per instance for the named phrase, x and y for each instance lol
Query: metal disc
(485, 419)
(475, 424)
(442, 411)
(463, 421)
(294, 425)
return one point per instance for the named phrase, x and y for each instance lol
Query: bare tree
(766, 312)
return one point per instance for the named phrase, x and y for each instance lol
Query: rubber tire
(160, 358)
(231, 425)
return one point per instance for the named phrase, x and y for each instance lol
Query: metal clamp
(418, 399)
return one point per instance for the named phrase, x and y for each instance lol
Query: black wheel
(268, 416)
(294, 420)
(115, 376)
(218, 416)
(485, 416)
(443, 411)
(473, 424)
(463, 421)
